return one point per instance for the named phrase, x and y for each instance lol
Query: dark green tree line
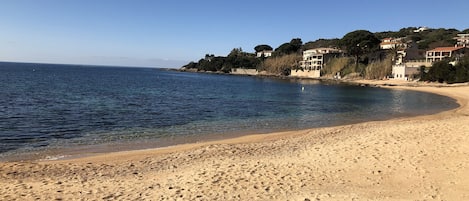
(443, 71)
(236, 59)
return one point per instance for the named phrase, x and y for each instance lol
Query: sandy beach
(417, 158)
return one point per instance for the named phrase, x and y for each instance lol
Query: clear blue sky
(170, 33)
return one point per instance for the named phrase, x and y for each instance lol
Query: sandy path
(421, 158)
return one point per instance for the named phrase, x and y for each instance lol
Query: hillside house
(390, 43)
(264, 53)
(314, 60)
(462, 40)
(441, 53)
(421, 29)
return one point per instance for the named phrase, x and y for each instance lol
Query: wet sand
(417, 158)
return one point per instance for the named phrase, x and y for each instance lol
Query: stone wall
(243, 71)
(310, 74)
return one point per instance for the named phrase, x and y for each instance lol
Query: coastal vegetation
(363, 56)
(321, 43)
(263, 47)
(338, 65)
(293, 47)
(379, 69)
(280, 64)
(376, 69)
(358, 43)
(428, 39)
(236, 59)
(445, 71)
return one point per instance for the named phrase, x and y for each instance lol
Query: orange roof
(445, 49)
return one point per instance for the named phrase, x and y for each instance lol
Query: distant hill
(425, 40)
(286, 56)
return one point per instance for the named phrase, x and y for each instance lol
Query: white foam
(53, 158)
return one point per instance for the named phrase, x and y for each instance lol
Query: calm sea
(44, 106)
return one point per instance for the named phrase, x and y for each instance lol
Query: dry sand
(418, 158)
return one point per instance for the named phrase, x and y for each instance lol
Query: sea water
(51, 106)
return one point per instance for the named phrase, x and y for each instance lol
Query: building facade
(404, 72)
(314, 60)
(462, 40)
(441, 53)
(264, 53)
(390, 43)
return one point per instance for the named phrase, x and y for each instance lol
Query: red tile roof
(445, 49)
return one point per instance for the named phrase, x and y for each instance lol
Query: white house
(313, 61)
(264, 53)
(462, 40)
(389, 43)
(420, 29)
(403, 72)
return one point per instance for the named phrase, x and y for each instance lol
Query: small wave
(53, 158)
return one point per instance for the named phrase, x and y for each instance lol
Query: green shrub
(443, 71)
(281, 64)
(337, 65)
(379, 69)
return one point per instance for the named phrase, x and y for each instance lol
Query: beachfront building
(407, 64)
(313, 61)
(462, 40)
(404, 72)
(264, 53)
(407, 69)
(390, 43)
(441, 53)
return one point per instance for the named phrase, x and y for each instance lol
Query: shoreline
(83, 151)
(258, 137)
(420, 157)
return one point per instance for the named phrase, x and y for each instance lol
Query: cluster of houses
(311, 65)
(405, 66)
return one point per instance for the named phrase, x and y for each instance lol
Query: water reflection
(397, 101)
